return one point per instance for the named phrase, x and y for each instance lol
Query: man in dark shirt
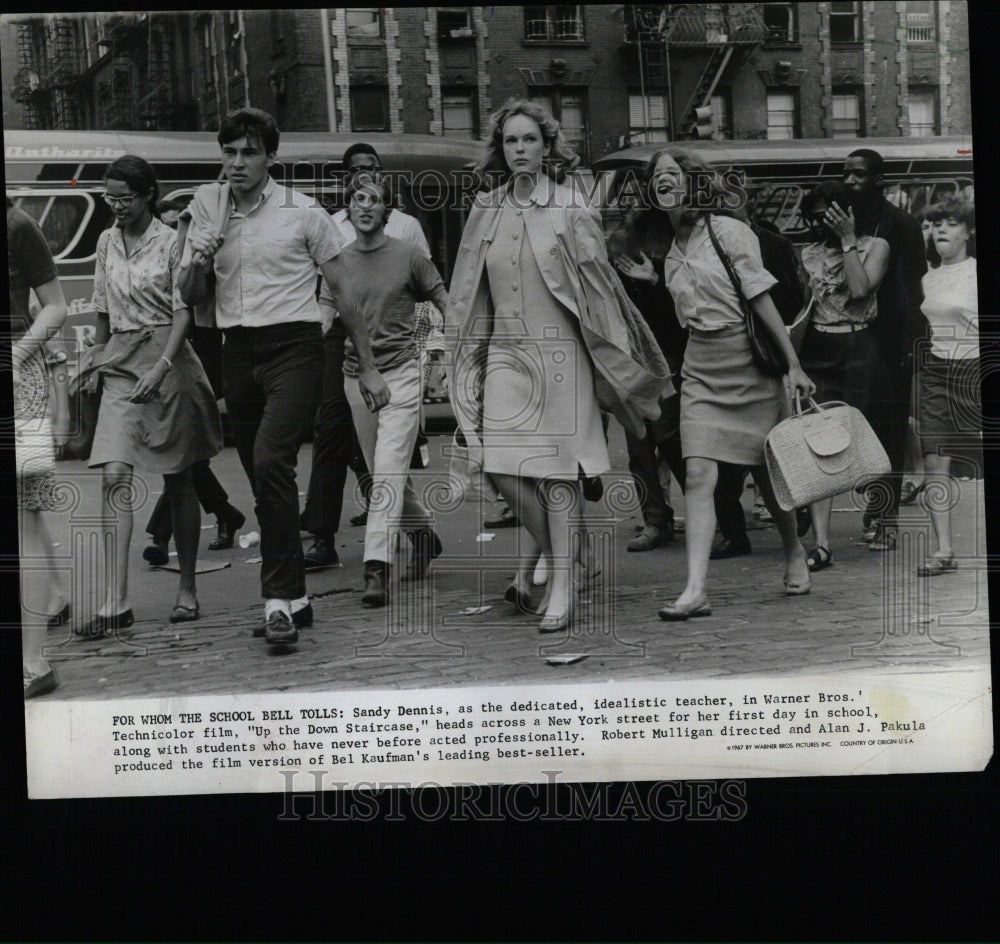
(898, 325)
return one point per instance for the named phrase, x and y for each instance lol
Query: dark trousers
(663, 436)
(890, 418)
(272, 379)
(212, 496)
(335, 445)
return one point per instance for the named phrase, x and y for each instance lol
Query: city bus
(57, 177)
(776, 174)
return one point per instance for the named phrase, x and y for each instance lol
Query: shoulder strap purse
(768, 357)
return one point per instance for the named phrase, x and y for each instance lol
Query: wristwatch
(848, 248)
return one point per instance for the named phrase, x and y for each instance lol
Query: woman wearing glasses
(157, 410)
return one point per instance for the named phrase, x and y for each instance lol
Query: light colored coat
(630, 373)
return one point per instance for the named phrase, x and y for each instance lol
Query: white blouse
(951, 307)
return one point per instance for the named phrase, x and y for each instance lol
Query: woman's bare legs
(560, 500)
(520, 495)
(116, 534)
(938, 471)
(819, 512)
(34, 593)
(796, 568)
(185, 517)
(699, 529)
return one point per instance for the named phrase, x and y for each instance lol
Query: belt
(844, 327)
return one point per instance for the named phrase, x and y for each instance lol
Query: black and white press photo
(495, 394)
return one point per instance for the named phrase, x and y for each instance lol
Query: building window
(369, 108)
(363, 23)
(779, 18)
(454, 23)
(782, 116)
(647, 119)
(554, 24)
(922, 110)
(721, 116)
(458, 114)
(569, 108)
(846, 114)
(845, 21)
(920, 23)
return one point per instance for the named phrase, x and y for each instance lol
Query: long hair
(647, 226)
(139, 175)
(561, 157)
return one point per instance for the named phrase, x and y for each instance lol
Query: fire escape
(47, 84)
(720, 35)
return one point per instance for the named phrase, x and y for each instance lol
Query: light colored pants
(387, 439)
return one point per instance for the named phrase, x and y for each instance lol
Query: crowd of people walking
(307, 322)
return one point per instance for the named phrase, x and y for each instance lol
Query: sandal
(908, 494)
(819, 558)
(184, 614)
(937, 565)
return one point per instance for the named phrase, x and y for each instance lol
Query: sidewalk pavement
(868, 611)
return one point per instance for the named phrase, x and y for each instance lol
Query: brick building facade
(613, 74)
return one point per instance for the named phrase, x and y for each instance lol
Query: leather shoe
(228, 524)
(678, 612)
(35, 685)
(426, 546)
(506, 519)
(376, 584)
(280, 630)
(727, 548)
(100, 626)
(59, 619)
(303, 619)
(156, 554)
(359, 521)
(651, 537)
(321, 554)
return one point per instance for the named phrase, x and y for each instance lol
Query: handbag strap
(737, 287)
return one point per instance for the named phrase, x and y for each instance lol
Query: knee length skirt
(173, 430)
(727, 405)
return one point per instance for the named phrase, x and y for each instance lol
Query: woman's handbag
(34, 448)
(825, 451)
(768, 357)
(84, 405)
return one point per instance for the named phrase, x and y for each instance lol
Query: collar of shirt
(269, 188)
(156, 226)
(698, 235)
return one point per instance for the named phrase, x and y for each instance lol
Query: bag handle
(815, 407)
(728, 265)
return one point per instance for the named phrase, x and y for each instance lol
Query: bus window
(62, 218)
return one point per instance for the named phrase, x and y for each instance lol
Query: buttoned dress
(138, 290)
(540, 412)
(727, 405)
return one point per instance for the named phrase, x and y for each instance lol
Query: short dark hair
(873, 160)
(254, 124)
(829, 191)
(360, 147)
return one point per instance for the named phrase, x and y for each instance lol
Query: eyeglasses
(123, 202)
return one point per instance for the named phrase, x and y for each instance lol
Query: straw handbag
(825, 451)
